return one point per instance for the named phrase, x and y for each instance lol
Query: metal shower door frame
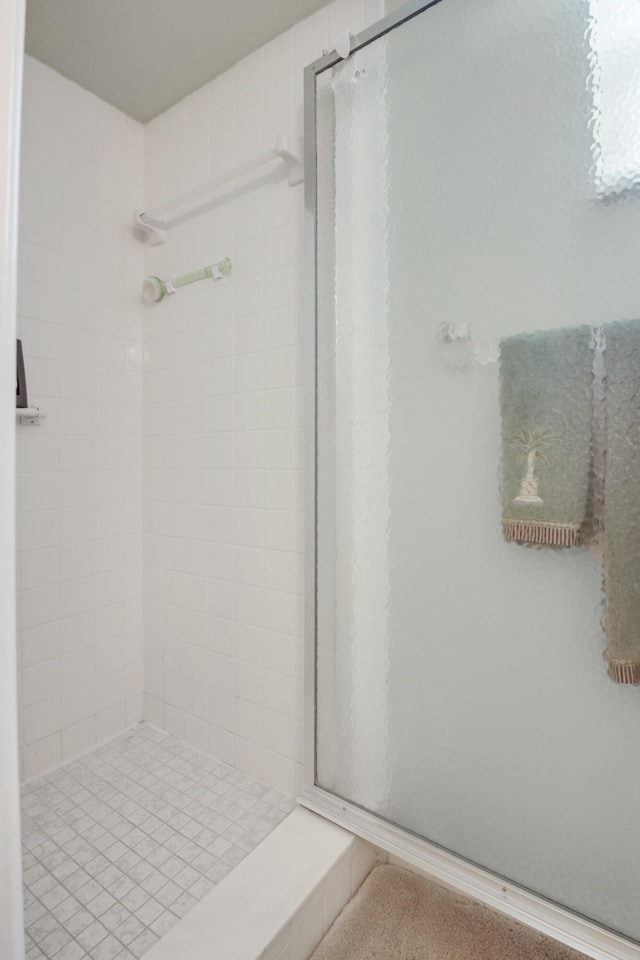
(510, 899)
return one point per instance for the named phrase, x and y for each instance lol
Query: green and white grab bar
(154, 289)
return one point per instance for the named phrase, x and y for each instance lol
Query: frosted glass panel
(463, 200)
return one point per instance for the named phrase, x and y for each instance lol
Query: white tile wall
(80, 471)
(222, 493)
(223, 419)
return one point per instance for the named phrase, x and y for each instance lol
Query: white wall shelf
(30, 414)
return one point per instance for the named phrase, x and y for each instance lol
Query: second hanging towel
(549, 451)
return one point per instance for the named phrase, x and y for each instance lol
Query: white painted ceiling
(142, 56)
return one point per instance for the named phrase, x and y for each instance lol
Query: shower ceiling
(144, 56)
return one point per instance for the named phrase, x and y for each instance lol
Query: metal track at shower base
(502, 895)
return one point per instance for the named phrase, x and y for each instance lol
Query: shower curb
(279, 901)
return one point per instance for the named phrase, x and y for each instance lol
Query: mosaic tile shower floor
(119, 844)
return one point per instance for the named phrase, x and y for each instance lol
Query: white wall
(223, 419)
(80, 471)
(11, 47)
(222, 427)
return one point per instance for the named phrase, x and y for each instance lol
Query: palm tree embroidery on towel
(530, 444)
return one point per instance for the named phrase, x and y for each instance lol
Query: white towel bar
(154, 222)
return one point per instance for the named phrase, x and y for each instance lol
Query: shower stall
(470, 178)
(158, 488)
(471, 175)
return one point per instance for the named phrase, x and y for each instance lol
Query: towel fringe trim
(542, 531)
(624, 671)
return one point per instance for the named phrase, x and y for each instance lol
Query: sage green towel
(545, 398)
(622, 501)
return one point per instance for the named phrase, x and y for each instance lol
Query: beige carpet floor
(397, 915)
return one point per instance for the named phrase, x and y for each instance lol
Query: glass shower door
(460, 686)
